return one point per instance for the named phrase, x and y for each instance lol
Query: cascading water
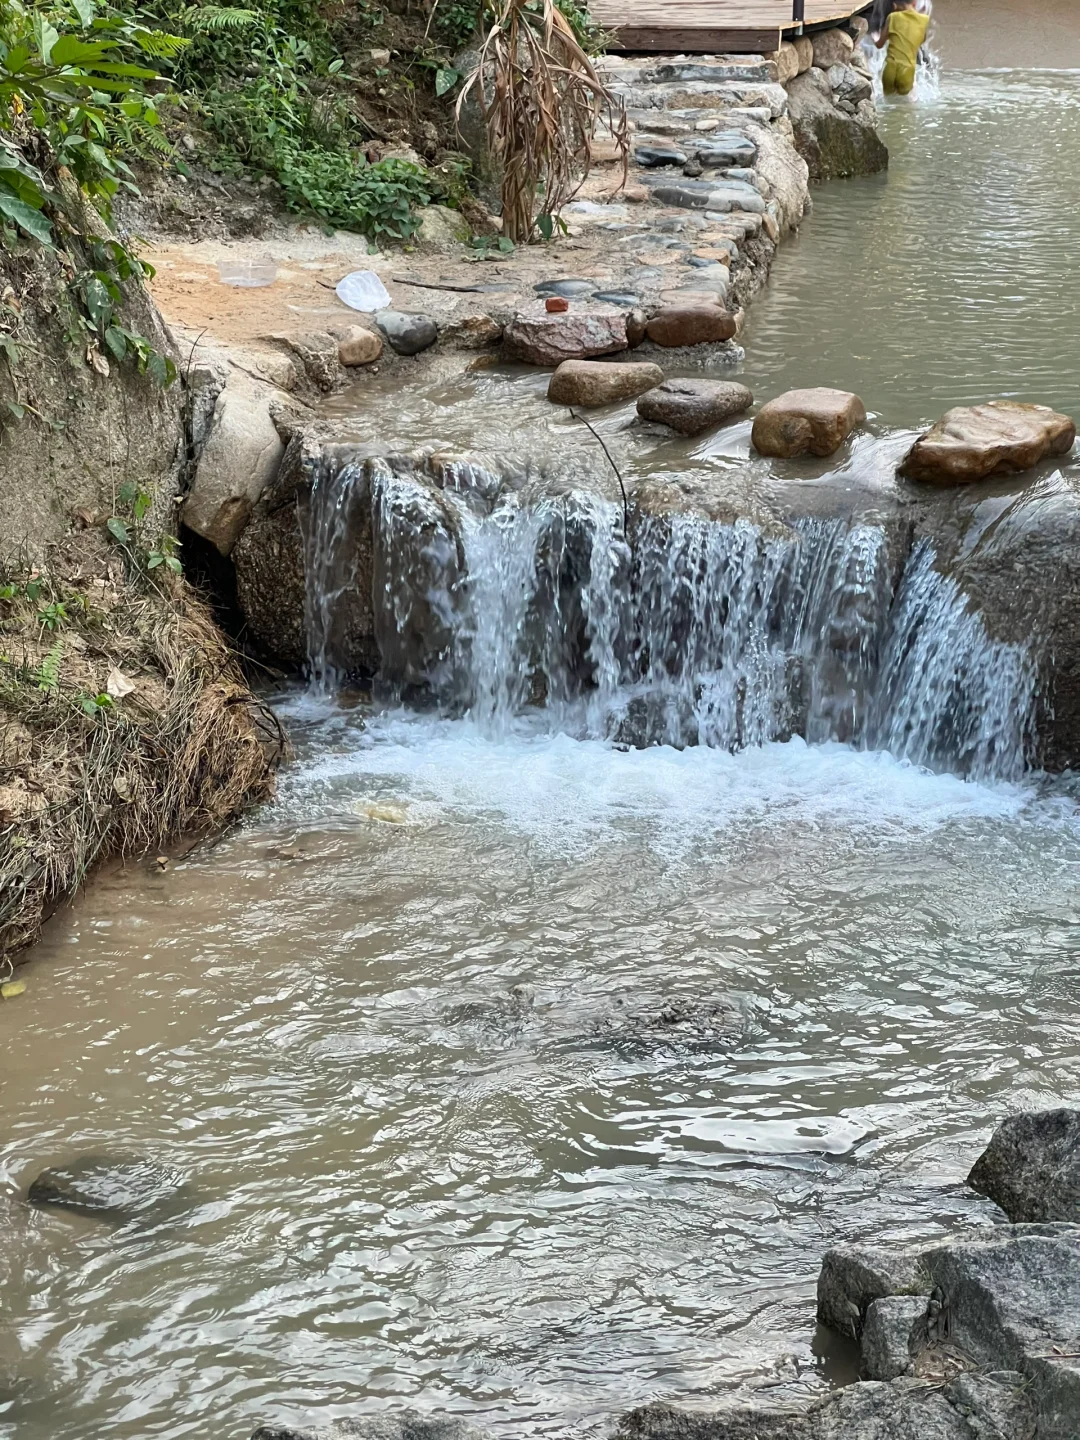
(502, 604)
(927, 73)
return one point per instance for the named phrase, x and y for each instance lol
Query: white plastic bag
(363, 290)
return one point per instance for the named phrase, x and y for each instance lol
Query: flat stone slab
(692, 406)
(973, 442)
(543, 339)
(707, 195)
(592, 382)
(568, 289)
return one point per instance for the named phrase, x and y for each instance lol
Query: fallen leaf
(387, 814)
(122, 786)
(96, 360)
(11, 988)
(118, 685)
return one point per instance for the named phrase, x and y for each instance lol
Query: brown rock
(804, 49)
(359, 346)
(636, 323)
(592, 382)
(786, 60)
(807, 422)
(538, 338)
(556, 304)
(676, 325)
(999, 438)
(691, 406)
(832, 47)
(472, 332)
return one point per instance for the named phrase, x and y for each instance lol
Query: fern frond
(159, 44)
(206, 19)
(48, 676)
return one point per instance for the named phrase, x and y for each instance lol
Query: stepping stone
(678, 325)
(592, 382)
(727, 149)
(568, 289)
(973, 442)
(807, 422)
(691, 406)
(654, 155)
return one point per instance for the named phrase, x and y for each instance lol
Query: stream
(526, 1076)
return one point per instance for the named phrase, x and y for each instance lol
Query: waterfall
(504, 604)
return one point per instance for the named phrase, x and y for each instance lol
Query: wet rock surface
(241, 453)
(1031, 1168)
(976, 1338)
(807, 422)
(592, 382)
(836, 138)
(401, 1425)
(692, 406)
(111, 1188)
(974, 442)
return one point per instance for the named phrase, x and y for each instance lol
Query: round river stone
(568, 289)
(107, 1187)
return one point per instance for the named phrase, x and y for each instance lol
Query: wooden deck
(713, 26)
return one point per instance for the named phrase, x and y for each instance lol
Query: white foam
(570, 794)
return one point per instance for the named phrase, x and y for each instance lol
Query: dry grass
(541, 99)
(186, 750)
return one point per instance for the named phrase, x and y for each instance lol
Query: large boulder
(594, 382)
(539, 338)
(807, 422)
(691, 406)
(833, 143)
(973, 442)
(240, 456)
(832, 47)
(674, 326)
(784, 172)
(1031, 1168)
(105, 1187)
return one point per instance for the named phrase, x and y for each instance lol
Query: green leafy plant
(47, 675)
(346, 191)
(164, 553)
(95, 705)
(53, 616)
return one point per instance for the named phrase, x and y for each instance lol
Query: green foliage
(272, 91)
(126, 529)
(94, 705)
(347, 192)
(53, 616)
(457, 22)
(75, 99)
(47, 675)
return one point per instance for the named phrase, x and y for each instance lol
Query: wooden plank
(695, 40)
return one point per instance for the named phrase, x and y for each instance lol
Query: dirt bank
(1030, 34)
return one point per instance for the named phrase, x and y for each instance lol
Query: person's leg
(905, 80)
(889, 77)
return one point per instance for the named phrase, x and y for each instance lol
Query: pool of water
(408, 1032)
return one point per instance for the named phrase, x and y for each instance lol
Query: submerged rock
(1031, 1168)
(691, 406)
(592, 382)
(807, 422)
(107, 1187)
(676, 1024)
(973, 442)
(538, 338)
(403, 1425)
(678, 325)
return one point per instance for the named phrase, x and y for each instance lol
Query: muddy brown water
(407, 1033)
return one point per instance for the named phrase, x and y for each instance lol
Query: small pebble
(556, 304)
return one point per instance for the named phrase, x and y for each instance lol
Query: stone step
(719, 196)
(701, 97)
(689, 122)
(714, 149)
(674, 69)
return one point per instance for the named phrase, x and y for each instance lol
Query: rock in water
(408, 334)
(691, 406)
(239, 459)
(404, 1425)
(108, 1188)
(833, 143)
(999, 438)
(1031, 1168)
(677, 325)
(592, 382)
(807, 422)
(538, 338)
